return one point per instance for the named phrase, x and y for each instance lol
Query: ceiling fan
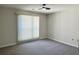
(44, 7)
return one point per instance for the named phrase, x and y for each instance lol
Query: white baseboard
(49, 38)
(64, 42)
(7, 45)
(43, 37)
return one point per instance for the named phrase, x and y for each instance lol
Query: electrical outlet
(72, 39)
(77, 40)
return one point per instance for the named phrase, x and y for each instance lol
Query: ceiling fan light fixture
(43, 9)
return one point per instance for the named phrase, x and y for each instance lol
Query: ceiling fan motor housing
(44, 4)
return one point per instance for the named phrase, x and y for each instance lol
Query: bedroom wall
(63, 26)
(8, 23)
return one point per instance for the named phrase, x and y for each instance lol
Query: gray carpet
(40, 47)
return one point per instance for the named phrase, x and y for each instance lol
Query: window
(28, 27)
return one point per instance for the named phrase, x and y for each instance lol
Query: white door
(28, 27)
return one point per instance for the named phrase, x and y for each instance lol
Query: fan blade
(42, 8)
(48, 8)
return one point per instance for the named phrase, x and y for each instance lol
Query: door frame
(17, 30)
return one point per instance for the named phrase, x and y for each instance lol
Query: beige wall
(8, 19)
(63, 26)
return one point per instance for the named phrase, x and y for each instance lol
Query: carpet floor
(40, 47)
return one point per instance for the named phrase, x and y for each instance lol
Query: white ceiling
(30, 7)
